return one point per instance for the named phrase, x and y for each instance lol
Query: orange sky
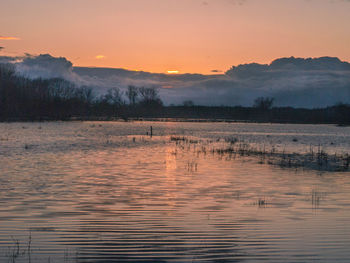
(180, 35)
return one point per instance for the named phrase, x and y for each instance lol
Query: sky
(185, 36)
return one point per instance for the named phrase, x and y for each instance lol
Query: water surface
(107, 192)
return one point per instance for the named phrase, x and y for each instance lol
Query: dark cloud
(292, 81)
(312, 82)
(7, 59)
(45, 66)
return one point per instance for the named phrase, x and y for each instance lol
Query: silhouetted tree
(149, 97)
(263, 103)
(86, 94)
(342, 113)
(132, 94)
(114, 97)
(188, 103)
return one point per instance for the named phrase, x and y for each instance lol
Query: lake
(108, 192)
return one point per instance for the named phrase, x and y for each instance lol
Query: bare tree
(149, 96)
(132, 94)
(263, 103)
(86, 94)
(188, 103)
(114, 97)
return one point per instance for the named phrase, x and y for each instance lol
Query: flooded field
(108, 192)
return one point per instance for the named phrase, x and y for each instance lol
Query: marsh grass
(232, 148)
(19, 252)
(316, 198)
(23, 252)
(262, 202)
(192, 166)
(186, 140)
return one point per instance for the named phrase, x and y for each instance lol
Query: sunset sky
(194, 36)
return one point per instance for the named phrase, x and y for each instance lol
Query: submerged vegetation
(232, 148)
(23, 252)
(57, 99)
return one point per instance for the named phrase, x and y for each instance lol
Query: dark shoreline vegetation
(23, 99)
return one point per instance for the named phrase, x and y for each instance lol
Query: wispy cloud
(100, 57)
(216, 71)
(9, 38)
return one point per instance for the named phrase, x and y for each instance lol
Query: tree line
(57, 99)
(23, 99)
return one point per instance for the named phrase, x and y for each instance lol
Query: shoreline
(150, 119)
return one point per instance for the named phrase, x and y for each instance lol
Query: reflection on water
(106, 192)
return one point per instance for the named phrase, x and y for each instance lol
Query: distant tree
(263, 103)
(188, 103)
(149, 97)
(114, 97)
(85, 94)
(147, 93)
(57, 88)
(342, 113)
(132, 94)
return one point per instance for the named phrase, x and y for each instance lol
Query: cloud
(9, 59)
(311, 82)
(100, 57)
(1, 48)
(43, 66)
(297, 82)
(292, 81)
(9, 38)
